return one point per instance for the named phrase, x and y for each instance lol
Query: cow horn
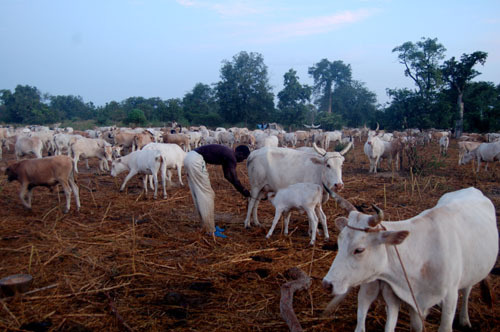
(319, 150)
(376, 218)
(345, 204)
(346, 149)
(378, 126)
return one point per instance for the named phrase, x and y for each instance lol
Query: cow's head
(331, 174)
(117, 166)
(11, 172)
(466, 158)
(362, 254)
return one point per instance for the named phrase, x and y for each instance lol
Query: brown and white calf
(46, 172)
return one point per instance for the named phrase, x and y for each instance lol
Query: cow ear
(341, 222)
(393, 238)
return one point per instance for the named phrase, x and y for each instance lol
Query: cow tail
(486, 293)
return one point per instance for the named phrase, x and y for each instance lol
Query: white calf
(146, 162)
(299, 196)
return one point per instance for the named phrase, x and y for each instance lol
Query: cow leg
(415, 321)
(287, 222)
(145, 184)
(179, 170)
(322, 218)
(169, 177)
(67, 194)
(254, 196)
(376, 164)
(464, 310)
(478, 164)
(448, 309)
(486, 167)
(75, 161)
(313, 221)
(76, 192)
(87, 163)
(22, 195)
(366, 295)
(277, 216)
(127, 178)
(392, 304)
(155, 180)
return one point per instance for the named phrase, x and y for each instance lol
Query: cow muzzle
(327, 286)
(338, 186)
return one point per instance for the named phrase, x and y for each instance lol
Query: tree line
(444, 97)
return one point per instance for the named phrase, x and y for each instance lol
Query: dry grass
(126, 262)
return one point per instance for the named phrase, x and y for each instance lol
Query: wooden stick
(301, 281)
(40, 289)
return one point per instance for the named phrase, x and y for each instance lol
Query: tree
(136, 116)
(458, 74)
(200, 106)
(421, 61)
(326, 74)
(25, 106)
(244, 93)
(71, 107)
(293, 99)
(355, 103)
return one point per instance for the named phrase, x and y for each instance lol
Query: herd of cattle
(456, 241)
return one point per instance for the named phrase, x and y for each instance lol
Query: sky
(109, 50)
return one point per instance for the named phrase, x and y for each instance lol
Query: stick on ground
(301, 282)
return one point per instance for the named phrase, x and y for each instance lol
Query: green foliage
(244, 93)
(330, 121)
(136, 116)
(293, 99)
(200, 106)
(326, 75)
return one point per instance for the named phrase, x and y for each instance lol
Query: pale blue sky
(110, 50)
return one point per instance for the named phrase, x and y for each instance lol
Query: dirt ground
(128, 262)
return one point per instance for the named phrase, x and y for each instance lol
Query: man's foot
(219, 234)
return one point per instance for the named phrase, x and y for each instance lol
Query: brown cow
(180, 139)
(45, 172)
(143, 139)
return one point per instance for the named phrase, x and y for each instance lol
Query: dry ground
(148, 262)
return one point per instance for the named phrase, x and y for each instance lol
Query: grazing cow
(195, 138)
(267, 141)
(173, 158)
(226, 138)
(45, 172)
(443, 145)
(464, 147)
(272, 169)
(92, 147)
(330, 136)
(302, 136)
(26, 145)
(447, 249)
(180, 139)
(145, 162)
(290, 138)
(488, 152)
(300, 196)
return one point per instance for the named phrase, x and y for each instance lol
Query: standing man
(199, 181)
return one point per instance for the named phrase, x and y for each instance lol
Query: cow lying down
(45, 172)
(446, 250)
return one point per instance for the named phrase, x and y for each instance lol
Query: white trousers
(201, 190)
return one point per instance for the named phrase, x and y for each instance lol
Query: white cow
(145, 162)
(272, 169)
(173, 158)
(464, 147)
(446, 250)
(488, 152)
(26, 145)
(331, 136)
(290, 138)
(300, 196)
(444, 141)
(374, 150)
(92, 147)
(266, 141)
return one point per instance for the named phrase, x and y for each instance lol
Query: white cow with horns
(446, 249)
(271, 169)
